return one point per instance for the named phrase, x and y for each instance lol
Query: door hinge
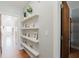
(61, 37)
(61, 5)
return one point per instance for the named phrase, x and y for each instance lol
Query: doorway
(9, 39)
(69, 30)
(65, 30)
(8, 36)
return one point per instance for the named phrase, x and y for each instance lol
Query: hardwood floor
(10, 49)
(22, 54)
(74, 53)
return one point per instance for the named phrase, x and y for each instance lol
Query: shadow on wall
(75, 28)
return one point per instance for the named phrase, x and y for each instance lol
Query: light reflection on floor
(8, 45)
(8, 42)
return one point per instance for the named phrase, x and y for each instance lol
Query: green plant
(29, 9)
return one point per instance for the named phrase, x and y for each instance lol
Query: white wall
(49, 24)
(12, 9)
(56, 29)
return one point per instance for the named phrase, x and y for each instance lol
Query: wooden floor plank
(23, 54)
(74, 53)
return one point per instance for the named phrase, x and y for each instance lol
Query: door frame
(66, 55)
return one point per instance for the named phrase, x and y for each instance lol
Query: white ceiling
(13, 8)
(13, 3)
(73, 4)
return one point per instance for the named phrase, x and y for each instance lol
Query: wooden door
(0, 37)
(65, 30)
(70, 31)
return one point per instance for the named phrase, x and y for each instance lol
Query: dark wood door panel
(65, 30)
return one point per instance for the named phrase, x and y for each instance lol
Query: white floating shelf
(32, 56)
(30, 28)
(31, 39)
(30, 17)
(34, 52)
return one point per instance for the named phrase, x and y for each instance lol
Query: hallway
(26, 29)
(9, 46)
